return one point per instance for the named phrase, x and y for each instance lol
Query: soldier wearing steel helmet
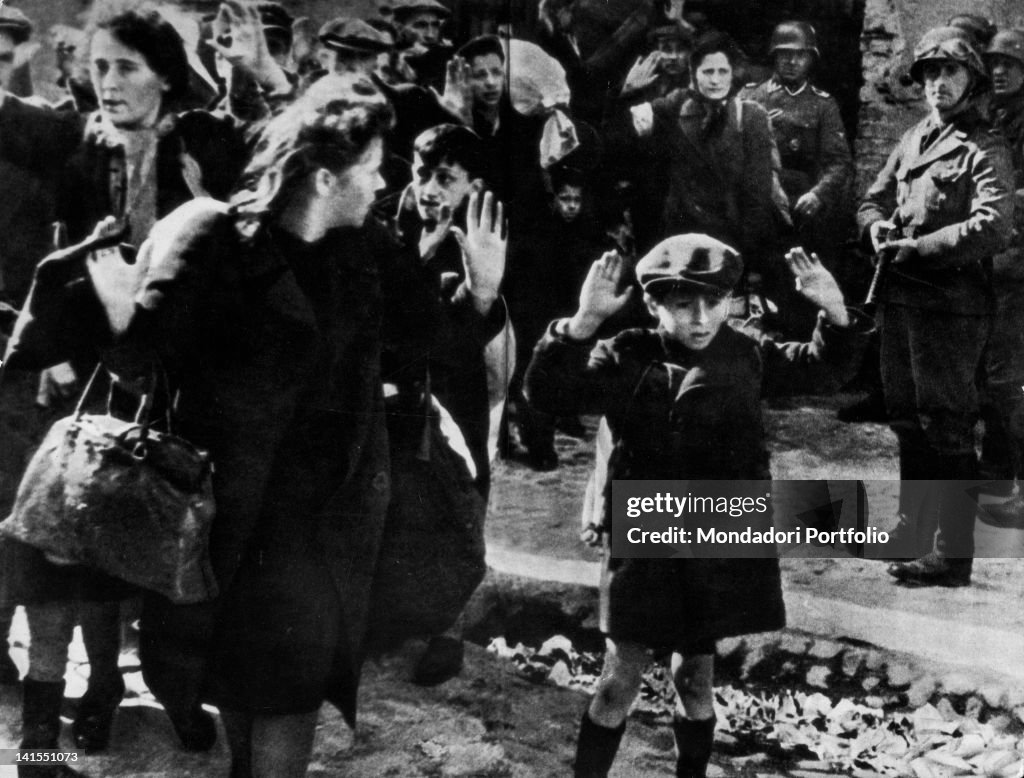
(1005, 60)
(816, 163)
(1002, 450)
(939, 210)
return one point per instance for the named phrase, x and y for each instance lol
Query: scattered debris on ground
(861, 739)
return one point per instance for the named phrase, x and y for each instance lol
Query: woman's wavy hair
(140, 26)
(330, 127)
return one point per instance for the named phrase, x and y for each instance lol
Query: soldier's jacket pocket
(947, 179)
(797, 139)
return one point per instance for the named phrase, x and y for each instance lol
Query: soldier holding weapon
(948, 183)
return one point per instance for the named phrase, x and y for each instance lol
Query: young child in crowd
(683, 401)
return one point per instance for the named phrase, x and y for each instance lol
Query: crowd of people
(327, 238)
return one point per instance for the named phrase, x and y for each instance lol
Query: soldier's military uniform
(1002, 452)
(812, 144)
(946, 186)
(813, 157)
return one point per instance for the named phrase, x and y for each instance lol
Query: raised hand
(814, 282)
(600, 296)
(304, 40)
(107, 229)
(56, 383)
(458, 94)
(484, 244)
(643, 73)
(238, 37)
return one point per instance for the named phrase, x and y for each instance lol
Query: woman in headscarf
(712, 156)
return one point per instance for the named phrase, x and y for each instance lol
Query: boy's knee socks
(694, 740)
(40, 714)
(596, 748)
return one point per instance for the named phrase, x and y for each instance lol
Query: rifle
(884, 258)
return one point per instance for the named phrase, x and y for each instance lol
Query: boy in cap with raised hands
(683, 401)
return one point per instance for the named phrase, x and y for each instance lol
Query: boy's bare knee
(692, 678)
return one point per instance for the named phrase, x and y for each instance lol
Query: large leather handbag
(121, 497)
(432, 554)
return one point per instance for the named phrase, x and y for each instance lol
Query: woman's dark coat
(681, 414)
(706, 177)
(294, 552)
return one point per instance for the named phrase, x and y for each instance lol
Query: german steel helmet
(794, 36)
(1008, 43)
(946, 43)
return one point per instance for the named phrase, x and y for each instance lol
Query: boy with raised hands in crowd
(445, 199)
(683, 401)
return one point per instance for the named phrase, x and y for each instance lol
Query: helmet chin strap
(963, 102)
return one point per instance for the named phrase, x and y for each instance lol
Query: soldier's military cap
(692, 262)
(1008, 43)
(946, 43)
(794, 36)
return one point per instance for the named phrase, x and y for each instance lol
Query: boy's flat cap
(693, 261)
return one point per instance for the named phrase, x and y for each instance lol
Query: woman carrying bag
(131, 162)
(269, 316)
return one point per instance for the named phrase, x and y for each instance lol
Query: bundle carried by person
(537, 87)
(432, 554)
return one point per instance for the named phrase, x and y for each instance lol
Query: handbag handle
(143, 414)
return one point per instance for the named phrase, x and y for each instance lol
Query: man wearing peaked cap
(420, 19)
(347, 43)
(354, 34)
(682, 401)
(420, 24)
